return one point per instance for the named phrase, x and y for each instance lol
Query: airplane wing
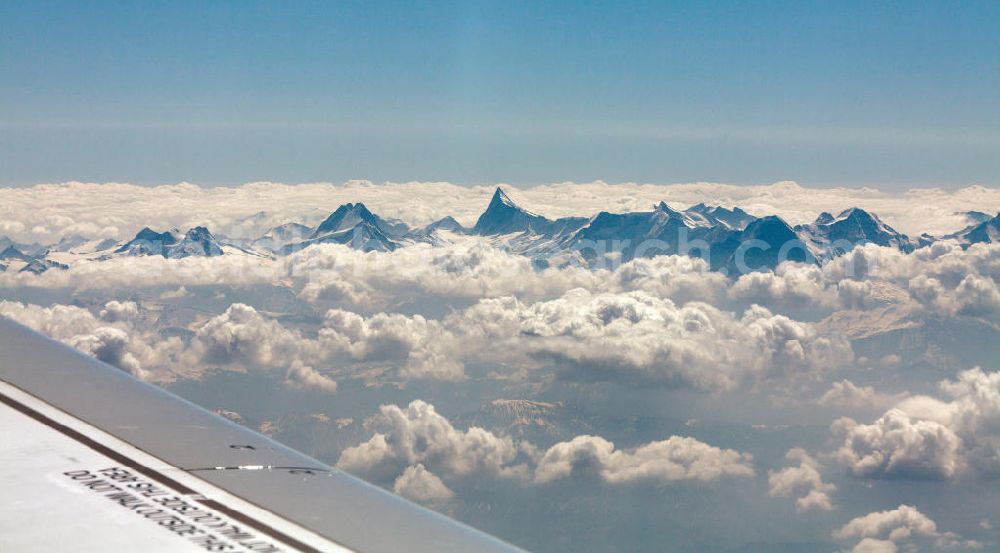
(92, 459)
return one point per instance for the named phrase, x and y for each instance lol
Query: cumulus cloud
(113, 342)
(115, 311)
(109, 345)
(304, 377)
(419, 435)
(423, 347)
(973, 412)
(791, 284)
(175, 294)
(896, 446)
(59, 321)
(926, 437)
(905, 525)
(679, 278)
(469, 270)
(804, 482)
(974, 295)
(848, 395)
(243, 336)
(421, 485)
(676, 458)
(872, 545)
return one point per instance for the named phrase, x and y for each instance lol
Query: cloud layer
(54, 210)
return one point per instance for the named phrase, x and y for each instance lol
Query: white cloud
(175, 294)
(421, 485)
(790, 284)
(109, 345)
(848, 395)
(304, 377)
(242, 336)
(419, 435)
(804, 482)
(115, 343)
(905, 524)
(676, 458)
(119, 311)
(974, 413)
(872, 545)
(925, 437)
(422, 347)
(896, 446)
(59, 321)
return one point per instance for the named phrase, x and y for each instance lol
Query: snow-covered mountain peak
(11, 252)
(346, 216)
(350, 215)
(975, 217)
(197, 241)
(662, 206)
(986, 232)
(857, 214)
(851, 227)
(501, 198)
(770, 229)
(147, 242)
(824, 218)
(858, 224)
(445, 224)
(735, 218)
(503, 216)
(198, 234)
(277, 237)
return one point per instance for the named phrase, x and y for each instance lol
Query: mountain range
(731, 240)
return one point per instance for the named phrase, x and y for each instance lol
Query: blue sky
(858, 93)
